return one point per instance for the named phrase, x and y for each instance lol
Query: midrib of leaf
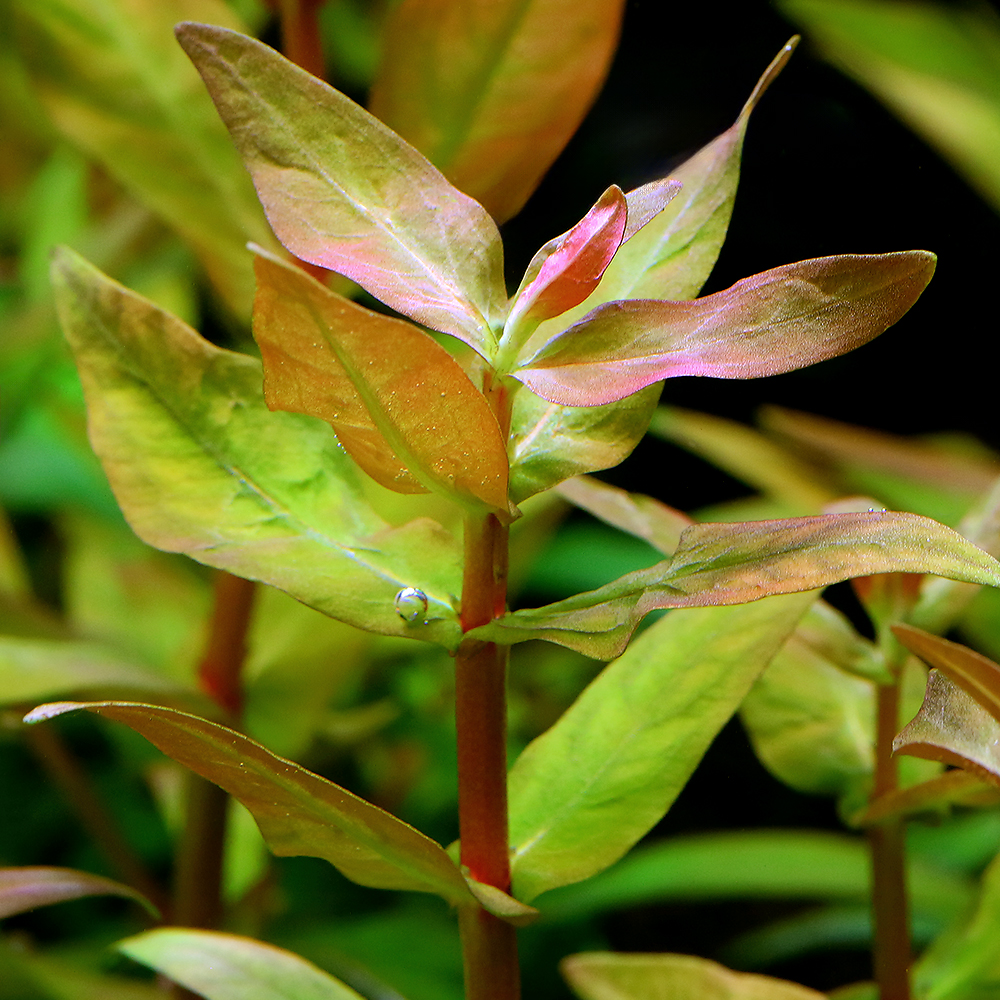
(280, 510)
(479, 89)
(438, 280)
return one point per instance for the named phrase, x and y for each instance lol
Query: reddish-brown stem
(222, 662)
(300, 34)
(489, 945)
(63, 768)
(890, 909)
(198, 873)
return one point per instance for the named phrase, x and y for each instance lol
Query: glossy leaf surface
(565, 271)
(491, 91)
(954, 728)
(936, 66)
(976, 674)
(587, 789)
(733, 563)
(639, 515)
(298, 812)
(672, 256)
(400, 403)
(609, 976)
(344, 192)
(36, 669)
(786, 318)
(550, 443)
(199, 465)
(227, 967)
(113, 80)
(24, 889)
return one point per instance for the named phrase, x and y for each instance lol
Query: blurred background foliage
(882, 134)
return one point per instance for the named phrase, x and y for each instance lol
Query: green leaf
(113, 80)
(607, 976)
(200, 466)
(733, 563)
(36, 669)
(952, 727)
(24, 889)
(586, 790)
(963, 964)
(639, 515)
(672, 256)
(747, 455)
(344, 192)
(550, 443)
(935, 478)
(401, 405)
(937, 66)
(227, 967)
(806, 865)
(298, 812)
(491, 94)
(777, 321)
(812, 724)
(976, 674)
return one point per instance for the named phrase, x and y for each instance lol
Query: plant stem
(489, 945)
(198, 871)
(300, 34)
(890, 909)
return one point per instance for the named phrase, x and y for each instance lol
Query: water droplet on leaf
(411, 604)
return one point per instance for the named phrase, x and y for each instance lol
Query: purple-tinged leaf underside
(954, 728)
(221, 966)
(343, 191)
(976, 674)
(298, 812)
(401, 405)
(777, 321)
(199, 465)
(565, 271)
(639, 515)
(550, 443)
(23, 889)
(491, 91)
(717, 564)
(672, 256)
(610, 976)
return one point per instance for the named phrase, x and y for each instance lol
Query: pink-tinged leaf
(635, 513)
(600, 975)
(24, 889)
(952, 727)
(718, 564)
(773, 322)
(976, 674)
(298, 812)
(567, 269)
(400, 403)
(672, 256)
(343, 191)
(491, 91)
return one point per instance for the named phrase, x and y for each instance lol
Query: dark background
(826, 170)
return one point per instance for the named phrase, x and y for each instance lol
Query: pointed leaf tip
(773, 322)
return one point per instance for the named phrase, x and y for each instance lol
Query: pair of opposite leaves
(344, 192)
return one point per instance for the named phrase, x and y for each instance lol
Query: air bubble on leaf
(411, 604)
